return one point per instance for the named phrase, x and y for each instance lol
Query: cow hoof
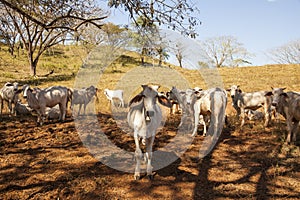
(150, 177)
(137, 177)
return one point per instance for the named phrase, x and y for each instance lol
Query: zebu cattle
(83, 97)
(254, 115)
(185, 102)
(114, 94)
(48, 97)
(174, 101)
(8, 94)
(186, 99)
(242, 100)
(288, 105)
(144, 117)
(212, 103)
(22, 109)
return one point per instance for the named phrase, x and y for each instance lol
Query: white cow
(144, 117)
(114, 94)
(8, 94)
(212, 103)
(288, 105)
(254, 100)
(83, 97)
(48, 97)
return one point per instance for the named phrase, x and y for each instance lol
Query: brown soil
(51, 162)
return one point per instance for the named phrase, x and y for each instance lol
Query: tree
(223, 51)
(43, 24)
(8, 33)
(175, 14)
(286, 54)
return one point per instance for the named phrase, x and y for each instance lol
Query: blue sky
(260, 25)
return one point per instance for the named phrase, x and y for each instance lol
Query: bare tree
(43, 24)
(223, 51)
(286, 54)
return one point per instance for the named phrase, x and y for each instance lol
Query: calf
(242, 100)
(114, 94)
(254, 115)
(83, 97)
(22, 109)
(288, 105)
(8, 94)
(144, 117)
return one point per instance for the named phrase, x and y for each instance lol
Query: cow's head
(148, 98)
(276, 94)
(234, 90)
(25, 89)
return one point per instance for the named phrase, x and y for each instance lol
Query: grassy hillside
(122, 73)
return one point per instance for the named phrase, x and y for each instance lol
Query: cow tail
(69, 96)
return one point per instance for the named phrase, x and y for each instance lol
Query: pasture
(53, 161)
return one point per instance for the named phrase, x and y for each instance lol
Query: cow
(8, 94)
(288, 105)
(175, 108)
(144, 117)
(186, 99)
(254, 115)
(254, 100)
(83, 97)
(211, 103)
(39, 99)
(114, 94)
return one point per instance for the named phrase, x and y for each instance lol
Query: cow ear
(18, 91)
(228, 89)
(164, 101)
(136, 99)
(269, 93)
(283, 88)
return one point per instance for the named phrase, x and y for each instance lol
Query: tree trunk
(32, 63)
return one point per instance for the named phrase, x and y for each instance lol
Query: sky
(260, 25)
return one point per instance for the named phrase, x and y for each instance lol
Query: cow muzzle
(149, 114)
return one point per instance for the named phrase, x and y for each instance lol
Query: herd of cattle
(206, 107)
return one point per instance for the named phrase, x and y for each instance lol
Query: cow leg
(138, 157)
(1, 106)
(80, 105)
(62, 109)
(122, 103)
(289, 124)
(243, 117)
(267, 116)
(84, 108)
(204, 126)
(10, 107)
(195, 124)
(149, 144)
(295, 131)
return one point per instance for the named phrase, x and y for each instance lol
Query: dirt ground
(53, 162)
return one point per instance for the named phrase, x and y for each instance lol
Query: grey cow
(288, 105)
